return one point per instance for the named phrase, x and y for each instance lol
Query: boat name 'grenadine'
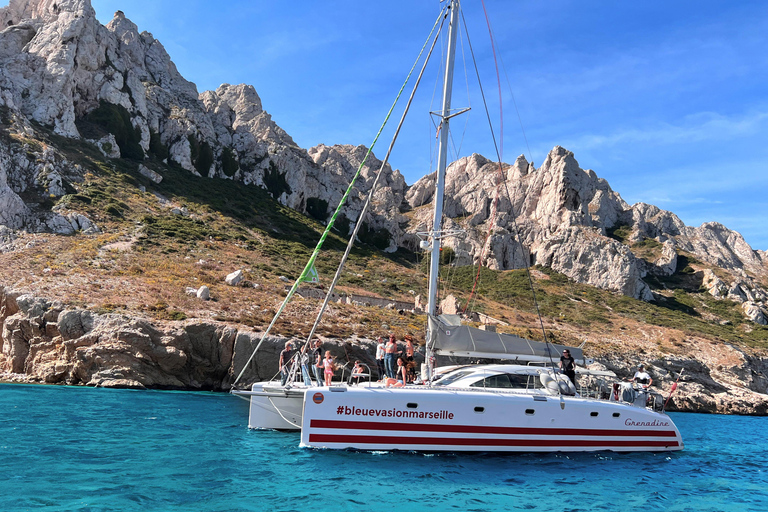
(655, 423)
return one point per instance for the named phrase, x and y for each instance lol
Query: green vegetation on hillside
(114, 119)
(191, 230)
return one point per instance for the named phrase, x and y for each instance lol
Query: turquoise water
(65, 448)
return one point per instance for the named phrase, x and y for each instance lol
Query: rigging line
(514, 218)
(368, 201)
(492, 215)
(313, 257)
(517, 110)
(457, 148)
(526, 257)
(498, 84)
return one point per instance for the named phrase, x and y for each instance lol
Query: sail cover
(464, 341)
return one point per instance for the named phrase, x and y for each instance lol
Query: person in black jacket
(568, 365)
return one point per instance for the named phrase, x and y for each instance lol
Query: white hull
(434, 420)
(274, 407)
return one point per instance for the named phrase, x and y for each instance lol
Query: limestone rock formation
(569, 219)
(43, 341)
(60, 65)
(340, 163)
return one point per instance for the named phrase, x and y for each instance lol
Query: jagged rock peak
(18, 11)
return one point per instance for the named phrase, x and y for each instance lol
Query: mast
(442, 158)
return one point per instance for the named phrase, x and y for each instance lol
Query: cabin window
(616, 414)
(529, 412)
(411, 405)
(452, 377)
(503, 381)
(479, 409)
(593, 414)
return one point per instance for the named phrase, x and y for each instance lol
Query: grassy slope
(146, 256)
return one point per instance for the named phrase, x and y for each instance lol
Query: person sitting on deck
(401, 375)
(358, 373)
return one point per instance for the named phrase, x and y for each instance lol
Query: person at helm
(642, 377)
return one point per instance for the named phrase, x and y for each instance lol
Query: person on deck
(285, 362)
(568, 365)
(400, 378)
(390, 351)
(358, 373)
(305, 366)
(642, 377)
(328, 367)
(317, 356)
(380, 357)
(410, 364)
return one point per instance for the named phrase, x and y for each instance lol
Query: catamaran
(525, 406)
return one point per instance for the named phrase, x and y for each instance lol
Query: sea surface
(84, 449)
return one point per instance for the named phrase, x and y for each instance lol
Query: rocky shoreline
(44, 342)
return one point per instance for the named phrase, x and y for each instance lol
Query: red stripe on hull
(463, 441)
(476, 429)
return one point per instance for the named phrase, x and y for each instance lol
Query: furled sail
(454, 339)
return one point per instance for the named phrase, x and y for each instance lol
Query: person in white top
(380, 356)
(642, 377)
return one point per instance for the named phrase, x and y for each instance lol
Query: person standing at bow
(304, 358)
(328, 367)
(380, 357)
(410, 364)
(285, 363)
(390, 353)
(317, 357)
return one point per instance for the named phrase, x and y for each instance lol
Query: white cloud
(700, 127)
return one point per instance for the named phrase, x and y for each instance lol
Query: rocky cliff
(569, 219)
(46, 342)
(61, 68)
(119, 88)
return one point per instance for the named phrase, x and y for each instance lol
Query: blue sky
(668, 101)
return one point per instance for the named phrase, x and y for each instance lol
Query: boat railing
(621, 391)
(352, 375)
(598, 389)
